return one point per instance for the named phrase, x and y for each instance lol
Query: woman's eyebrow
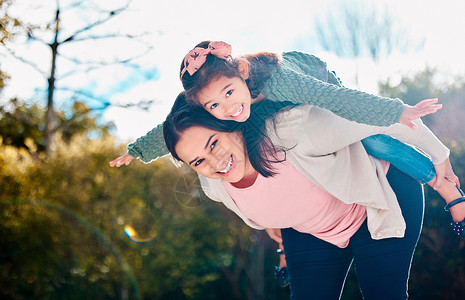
(206, 146)
(190, 163)
(208, 141)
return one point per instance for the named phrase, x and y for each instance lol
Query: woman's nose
(219, 158)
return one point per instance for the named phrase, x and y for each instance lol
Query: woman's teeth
(238, 112)
(228, 167)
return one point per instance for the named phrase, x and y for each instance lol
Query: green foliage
(412, 89)
(8, 28)
(22, 125)
(64, 218)
(8, 24)
(447, 123)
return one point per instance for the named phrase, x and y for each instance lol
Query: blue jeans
(405, 157)
(317, 269)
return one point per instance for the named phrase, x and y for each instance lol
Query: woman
(310, 175)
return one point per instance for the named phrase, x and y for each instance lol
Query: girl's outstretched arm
(303, 78)
(150, 146)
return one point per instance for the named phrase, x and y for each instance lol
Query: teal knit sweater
(300, 78)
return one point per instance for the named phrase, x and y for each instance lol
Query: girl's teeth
(228, 167)
(238, 112)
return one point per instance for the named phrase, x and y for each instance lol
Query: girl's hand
(420, 109)
(122, 160)
(275, 234)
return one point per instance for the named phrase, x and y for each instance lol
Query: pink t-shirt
(289, 199)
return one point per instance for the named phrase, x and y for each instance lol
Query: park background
(80, 79)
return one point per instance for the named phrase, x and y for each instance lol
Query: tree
(447, 123)
(64, 38)
(22, 125)
(354, 29)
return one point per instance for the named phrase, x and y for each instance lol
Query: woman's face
(213, 154)
(226, 99)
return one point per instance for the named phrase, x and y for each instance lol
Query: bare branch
(110, 15)
(26, 61)
(141, 104)
(95, 65)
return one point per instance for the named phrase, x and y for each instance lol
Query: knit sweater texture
(300, 78)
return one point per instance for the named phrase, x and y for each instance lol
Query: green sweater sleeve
(303, 78)
(150, 146)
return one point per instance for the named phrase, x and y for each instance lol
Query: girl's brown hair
(261, 65)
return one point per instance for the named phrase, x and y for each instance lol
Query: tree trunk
(50, 116)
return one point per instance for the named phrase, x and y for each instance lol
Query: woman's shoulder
(213, 188)
(290, 117)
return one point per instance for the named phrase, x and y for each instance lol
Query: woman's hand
(444, 172)
(419, 110)
(275, 234)
(282, 257)
(122, 160)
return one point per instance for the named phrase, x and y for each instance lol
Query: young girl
(226, 87)
(333, 200)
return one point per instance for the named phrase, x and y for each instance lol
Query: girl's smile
(227, 99)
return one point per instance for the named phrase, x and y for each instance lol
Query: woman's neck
(249, 177)
(246, 181)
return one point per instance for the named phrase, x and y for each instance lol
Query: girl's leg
(405, 157)
(317, 269)
(383, 266)
(414, 163)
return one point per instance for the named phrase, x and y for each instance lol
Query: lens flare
(134, 236)
(129, 231)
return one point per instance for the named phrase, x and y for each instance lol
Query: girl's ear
(243, 67)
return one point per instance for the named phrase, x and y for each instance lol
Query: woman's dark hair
(260, 67)
(262, 153)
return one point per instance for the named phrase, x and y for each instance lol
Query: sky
(249, 26)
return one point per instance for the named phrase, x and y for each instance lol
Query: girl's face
(227, 99)
(213, 154)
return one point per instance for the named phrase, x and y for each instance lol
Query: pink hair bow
(197, 56)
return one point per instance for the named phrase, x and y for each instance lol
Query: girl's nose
(230, 109)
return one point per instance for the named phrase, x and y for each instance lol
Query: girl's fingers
(426, 102)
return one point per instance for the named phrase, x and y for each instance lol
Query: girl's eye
(198, 162)
(229, 93)
(214, 105)
(213, 145)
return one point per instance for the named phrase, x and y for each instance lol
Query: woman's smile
(228, 166)
(213, 154)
